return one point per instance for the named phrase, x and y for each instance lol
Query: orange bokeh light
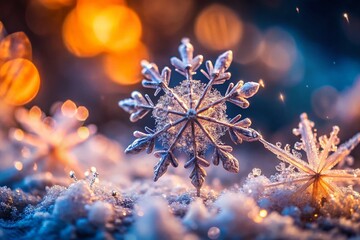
(218, 28)
(19, 81)
(15, 45)
(94, 27)
(117, 27)
(124, 68)
(78, 37)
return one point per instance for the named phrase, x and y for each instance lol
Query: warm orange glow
(261, 82)
(263, 213)
(2, 31)
(68, 108)
(118, 28)
(18, 165)
(124, 68)
(19, 81)
(82, 113)
(282, 98)
(35, 112)
(15, 45)
(218, 27)
(79, 38)
(98, 3)
(83, 132)
(18, 134)
(97, 26)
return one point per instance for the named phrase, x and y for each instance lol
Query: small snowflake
(51, 139)
(316, 176)
(192, 116)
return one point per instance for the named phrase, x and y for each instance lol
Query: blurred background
(305, 53)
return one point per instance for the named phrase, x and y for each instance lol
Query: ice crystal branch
(48, 141)
(317, 175)
(192, 116)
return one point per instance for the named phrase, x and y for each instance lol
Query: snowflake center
(191, 113)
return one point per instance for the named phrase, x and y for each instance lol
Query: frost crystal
(48, 141)
(192, 116)
(316, 176)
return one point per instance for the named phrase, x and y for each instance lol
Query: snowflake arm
(192, 116)
(287, 157)
(308, 139)
(342, 152)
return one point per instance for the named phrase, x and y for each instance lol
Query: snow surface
(169, 209)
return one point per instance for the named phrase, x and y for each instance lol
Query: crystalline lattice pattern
(192, 116)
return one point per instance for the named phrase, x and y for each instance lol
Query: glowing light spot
(282, 97)
(2, 31)
(35, 167)
(68, 108)
(78, 36)
(124, 68)
(82, 113)
(18, 135)
(279, 51)
(218, 27)
(118, 28)
(15, 45)
(19, 81)
(18, 165)
(346, 16)
(213, 233)
(83, 132)
(297, 10)
(261, 82)
(263, 213)
(35, 112)
(93, 169)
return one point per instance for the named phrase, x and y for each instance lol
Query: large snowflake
(317, 176)
(192, 116)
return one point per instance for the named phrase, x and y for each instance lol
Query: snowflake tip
(222, 63)
(140, 144)
(230, 163)
(249, 89)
